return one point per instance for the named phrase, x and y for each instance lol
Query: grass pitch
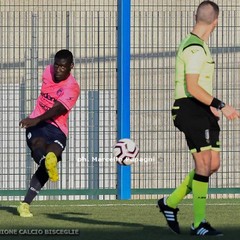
(105, 220)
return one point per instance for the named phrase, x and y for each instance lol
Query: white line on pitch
(117, 204)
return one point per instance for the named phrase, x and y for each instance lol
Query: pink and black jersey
(65, 92)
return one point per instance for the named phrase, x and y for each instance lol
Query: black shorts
(198, 123)
(47, 131)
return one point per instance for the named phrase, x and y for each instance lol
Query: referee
(196, 113)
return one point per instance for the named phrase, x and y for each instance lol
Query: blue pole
(123, 102)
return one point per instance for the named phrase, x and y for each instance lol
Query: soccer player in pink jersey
(47, 127)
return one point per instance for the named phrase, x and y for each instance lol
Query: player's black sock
(42, 174)
(35, 187)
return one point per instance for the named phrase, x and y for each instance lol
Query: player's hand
(28, 122)
(230, 113)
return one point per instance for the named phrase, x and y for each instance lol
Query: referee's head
(207, 12)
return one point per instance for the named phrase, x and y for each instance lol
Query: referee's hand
(215, 112)
(230, 112)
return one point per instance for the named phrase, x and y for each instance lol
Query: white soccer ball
(125, 151)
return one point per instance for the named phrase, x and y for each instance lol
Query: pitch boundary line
(118, 204)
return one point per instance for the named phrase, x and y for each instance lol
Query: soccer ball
(125, 151)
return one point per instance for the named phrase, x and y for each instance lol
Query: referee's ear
(72, 65)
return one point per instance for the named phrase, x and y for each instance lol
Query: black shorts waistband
(192, 100)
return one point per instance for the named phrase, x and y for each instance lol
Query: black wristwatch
(221, 105)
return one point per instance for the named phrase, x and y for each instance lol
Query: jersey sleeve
(69, 97)
(194, 58)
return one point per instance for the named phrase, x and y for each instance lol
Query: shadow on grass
(75, 218)
(118, 230)
(151, 232)
(12, 210)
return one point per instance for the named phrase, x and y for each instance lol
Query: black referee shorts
(198, 123)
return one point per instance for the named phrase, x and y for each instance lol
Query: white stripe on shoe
(169, 215)
(202, 231)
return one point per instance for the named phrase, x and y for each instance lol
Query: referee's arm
(201, 95)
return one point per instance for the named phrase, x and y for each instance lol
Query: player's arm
(200, 94)
(57, 110)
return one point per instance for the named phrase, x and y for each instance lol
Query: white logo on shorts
(207, 136)
(29, 135)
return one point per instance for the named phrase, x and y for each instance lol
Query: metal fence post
(93, 141)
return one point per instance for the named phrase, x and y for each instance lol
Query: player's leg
(37, 143)
(39, 178)
(54, 153)
(38, 148)
(55, 147)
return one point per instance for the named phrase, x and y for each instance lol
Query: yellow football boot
(51, 166)
(23, 210)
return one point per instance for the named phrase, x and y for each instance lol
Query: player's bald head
(207, 12)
